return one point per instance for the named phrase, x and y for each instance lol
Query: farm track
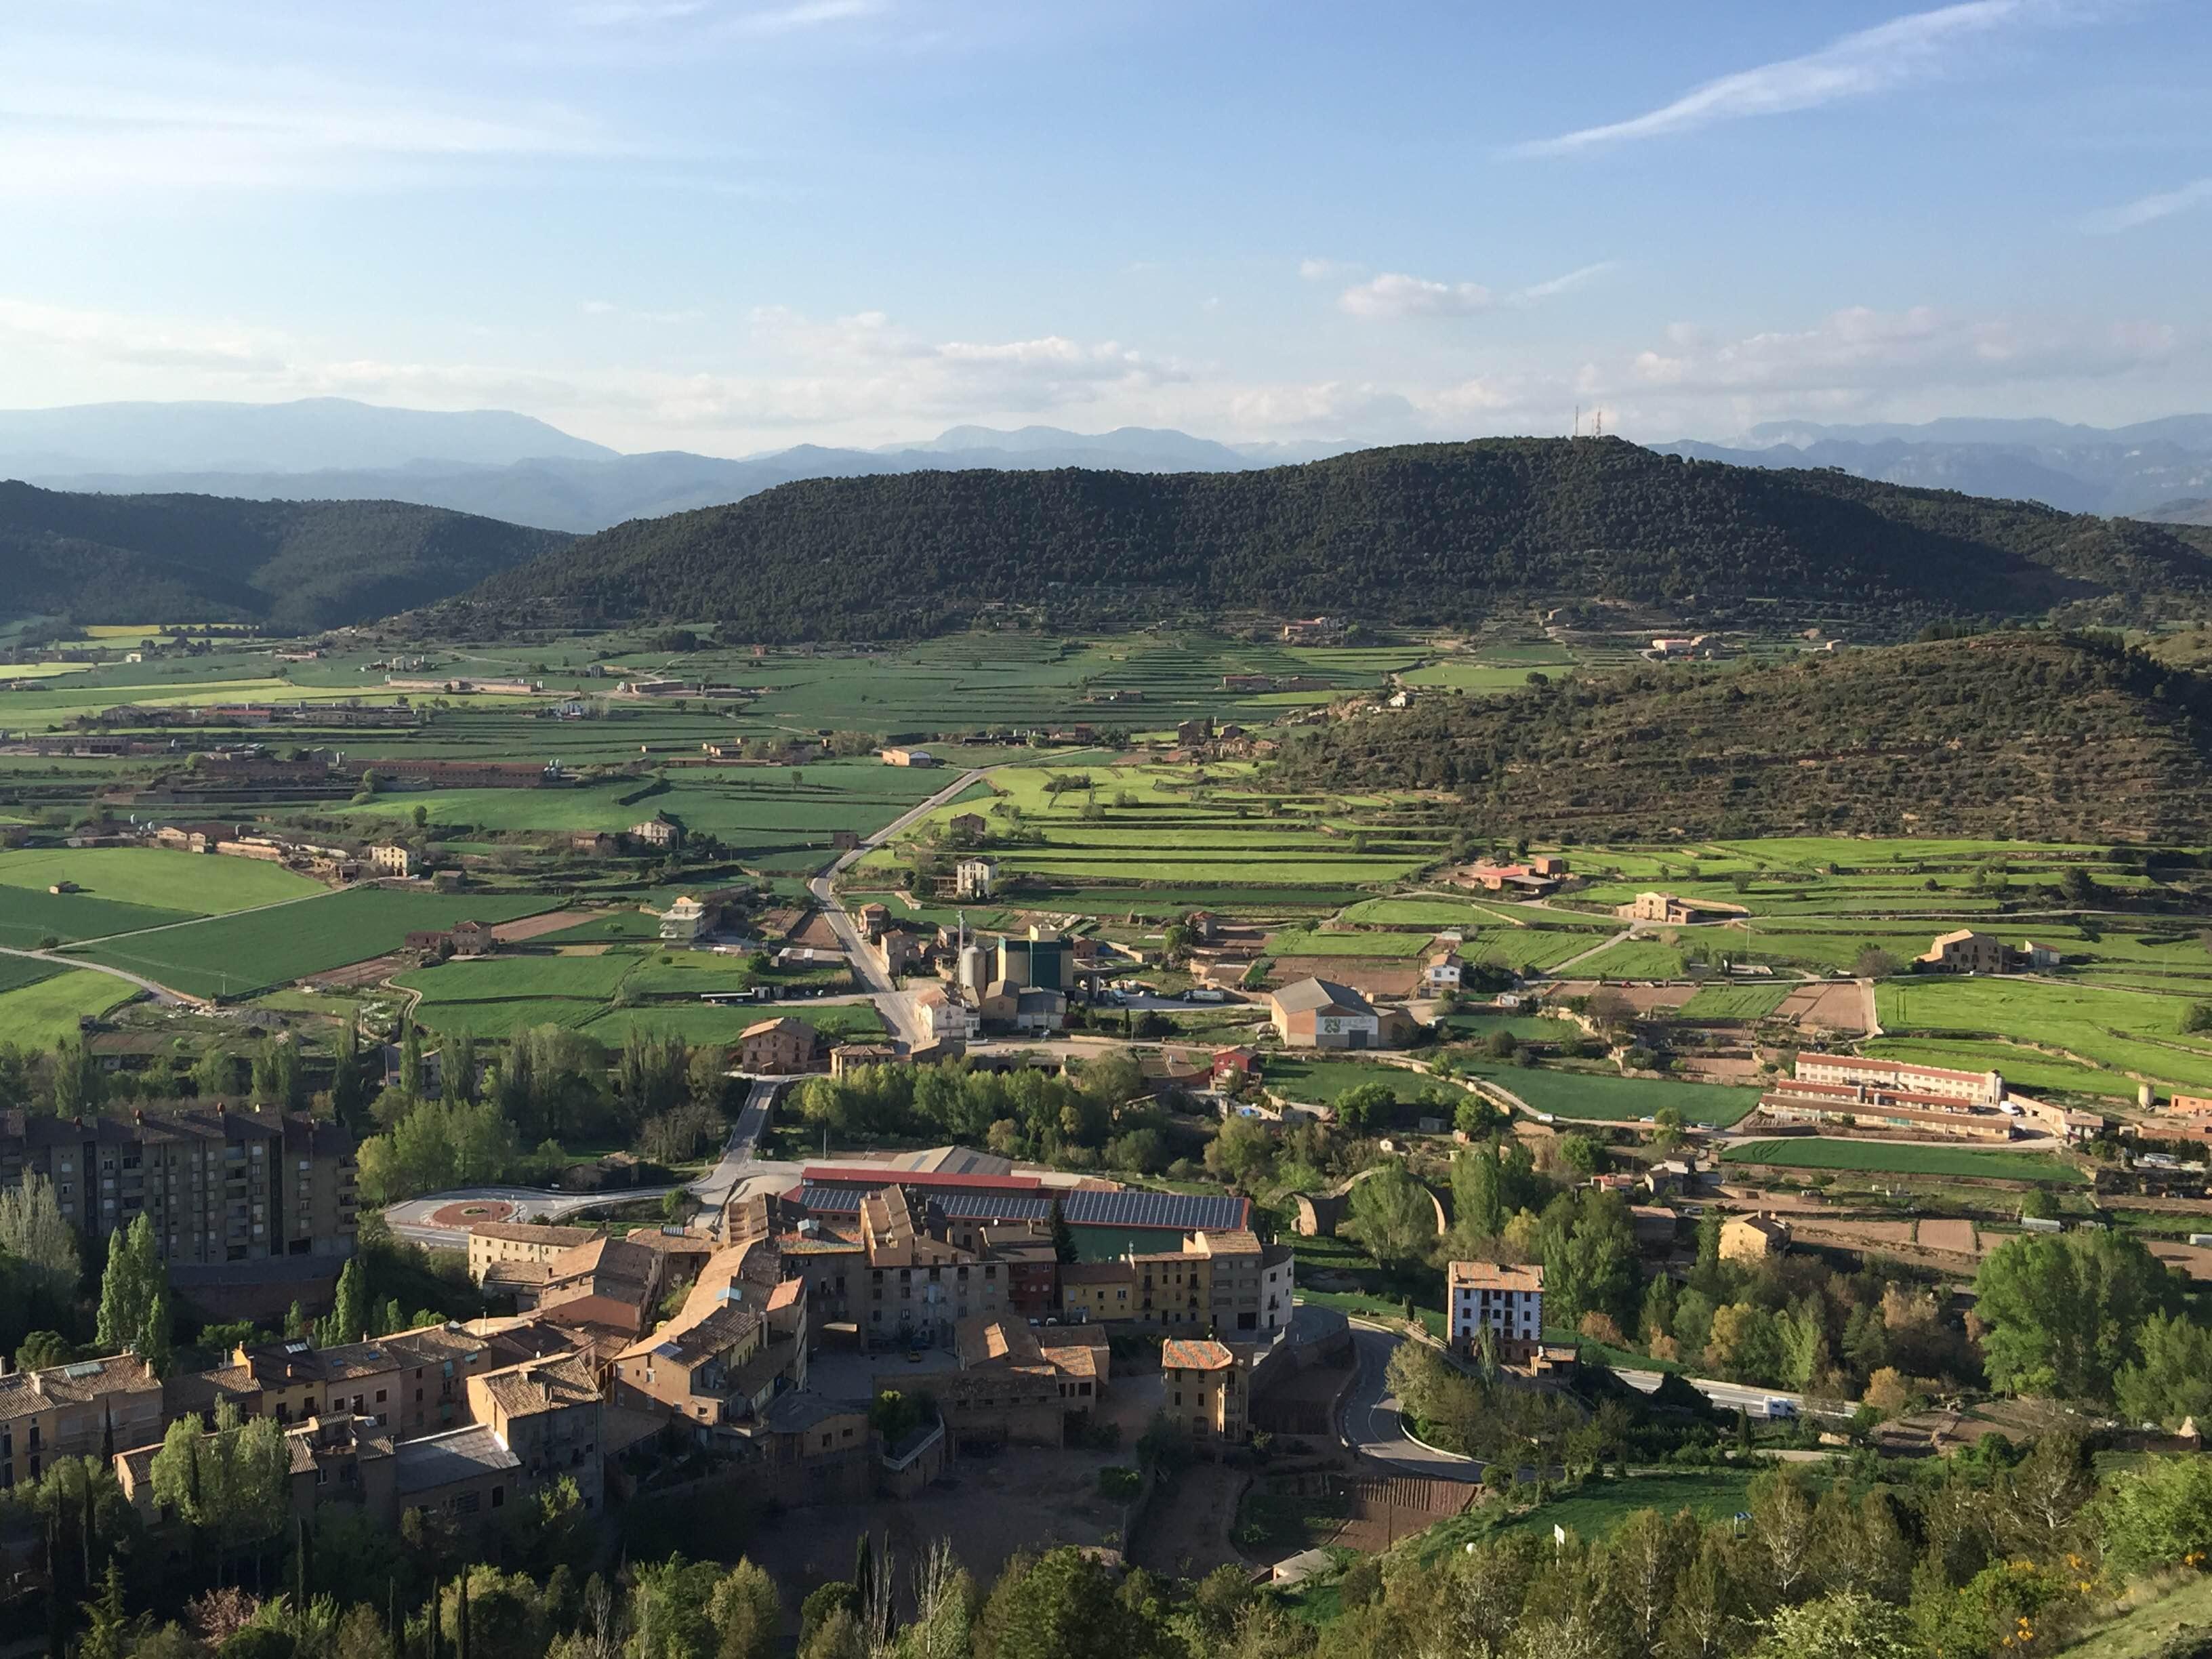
(159, 993)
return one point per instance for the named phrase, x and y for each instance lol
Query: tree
(2158, 1513)
(1358, 1107)
(1395, 1214)
(1060, 1605)
(1063, 1235)
(349, 1321)
(33, 1229)
(1846, 1624)
(2064, 1314)
(747, 1614)
(411, 1062)
(1588, 1244)
(131, 1298)
(1478, 1180)
(2172, 1379)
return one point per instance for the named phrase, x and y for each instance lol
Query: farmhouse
(1754, 1237)
(1319, 1013)
(974, 879)
(663, 835)
(777, 1048)
(907, 757)
(1966, 952)
(391, 860)
(1670, 908)
(1522, 878)
(1440, 970)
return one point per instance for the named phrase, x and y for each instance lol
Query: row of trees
(1104, 1113)
(1976, 1556)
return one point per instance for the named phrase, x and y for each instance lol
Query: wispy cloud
(1891, 54)
(1321, 271)
(619, 13)
(1574, 279)
(2149, 209)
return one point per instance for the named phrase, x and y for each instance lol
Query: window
(499, 1498)
(468, 1503)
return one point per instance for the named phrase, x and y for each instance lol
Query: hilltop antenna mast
(1578, 420)
(1597, 422)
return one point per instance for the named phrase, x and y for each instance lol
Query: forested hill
(1427, 534)
(2035, 735)
(295, 565)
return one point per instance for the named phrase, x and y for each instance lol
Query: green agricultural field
(615, 926)
(685, 974)
(155, 878)
(29, 915)
(1594, 1096)
(1634, 958)
(1884, 1157)
(234, 956)
(1319, 1082)
(1417, 913)
(500, 978)
(18, 971)
(1527, 950)
(700, 1022)
(1734, 1001)
(1529, 1027)
(44, 1012)
(2133, 1031)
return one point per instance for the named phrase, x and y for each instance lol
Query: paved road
(1370, 1422)
(161, 994)
(1734, 1396)
(738, 1170)
(896, 1007)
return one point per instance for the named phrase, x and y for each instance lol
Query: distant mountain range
(2140, 471)
(509, 466)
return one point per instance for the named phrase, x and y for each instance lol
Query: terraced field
(1595, 1097)
(1876, 1157)
(2136, 1032)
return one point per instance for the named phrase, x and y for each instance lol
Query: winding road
(161, 994)
(415, 1219)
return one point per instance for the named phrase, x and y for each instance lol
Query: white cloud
(2148, 209)
(1395, 295)
(1862, 353)
(1874, 60)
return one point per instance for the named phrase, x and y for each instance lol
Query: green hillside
(2035, 736)
(1429, 534)
(295, 565)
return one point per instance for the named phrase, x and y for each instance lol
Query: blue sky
(733, 225)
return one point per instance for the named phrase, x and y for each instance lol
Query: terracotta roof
(1497, 1276)
(1178, 1355)
(25, 1393)
(521, 1232)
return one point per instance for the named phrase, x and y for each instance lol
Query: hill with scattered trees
(2043, 736)
(293, 565)
(1435, 534)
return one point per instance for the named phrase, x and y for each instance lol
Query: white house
(974, 879)
(1440, 970)
(1506, 1300)
(391, 860)
(682, 922)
